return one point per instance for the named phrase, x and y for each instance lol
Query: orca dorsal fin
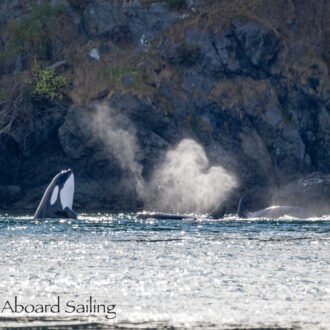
(242, 211)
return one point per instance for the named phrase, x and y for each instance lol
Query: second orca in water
(217, 213)
(163, 216)
(58, 198)
(273, 212)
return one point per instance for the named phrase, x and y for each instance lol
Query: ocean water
(159, 274)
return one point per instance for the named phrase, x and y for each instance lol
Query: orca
(58, 198)
(163, 216)
(273, 212)
(217, 213)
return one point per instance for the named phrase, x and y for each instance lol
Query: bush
(48, 84)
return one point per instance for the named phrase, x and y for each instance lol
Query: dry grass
(91, 78)
(233, 93)
(302, 27)
(215, 15)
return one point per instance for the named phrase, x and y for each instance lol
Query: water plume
(118, 135)
(185, 181)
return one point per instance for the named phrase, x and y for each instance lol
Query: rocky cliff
(108, 87)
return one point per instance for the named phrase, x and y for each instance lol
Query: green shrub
(48, 84)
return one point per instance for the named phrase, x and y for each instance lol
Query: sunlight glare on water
(229, 273)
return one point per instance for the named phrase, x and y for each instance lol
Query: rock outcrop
(247, 81)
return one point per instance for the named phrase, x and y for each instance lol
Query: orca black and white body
(273, 212)
(163, 216)
(58, 198)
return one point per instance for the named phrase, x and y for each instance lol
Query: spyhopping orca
(217, 213)
(273, 212)
(58, 198)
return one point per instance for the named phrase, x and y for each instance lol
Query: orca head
(58, 198)
(63, 189)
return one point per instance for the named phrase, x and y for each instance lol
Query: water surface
(223, 274)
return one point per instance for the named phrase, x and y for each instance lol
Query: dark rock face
(254, 98)
(258, 44)
(29, 148)
(9, 194)
(101, 18)
(9, 150)
(126, 24)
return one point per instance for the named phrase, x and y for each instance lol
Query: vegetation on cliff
(32, 33)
